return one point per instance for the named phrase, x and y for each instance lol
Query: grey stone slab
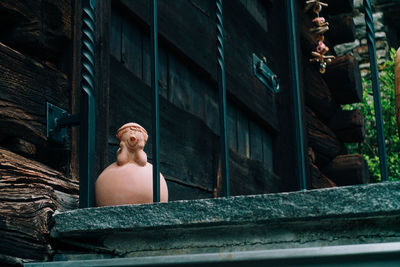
(344, 202)
(354, 255)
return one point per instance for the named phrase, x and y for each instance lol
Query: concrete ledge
(344, 202)
(327, 217)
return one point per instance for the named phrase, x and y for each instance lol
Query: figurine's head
(133, 135)
(319, 21)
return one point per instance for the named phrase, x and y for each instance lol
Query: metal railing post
(369, 21)
(155, 103)
(294, 71)
(87, 107)
(222, 100)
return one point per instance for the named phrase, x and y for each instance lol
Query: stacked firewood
(329, 127)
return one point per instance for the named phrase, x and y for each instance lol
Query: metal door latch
(265, 74)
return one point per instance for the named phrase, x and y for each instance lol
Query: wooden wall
(35, 180)
(189, 103)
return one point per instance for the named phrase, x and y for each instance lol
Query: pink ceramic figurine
(129, 180)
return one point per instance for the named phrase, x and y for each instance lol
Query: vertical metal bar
(294, 70)
(369, 21)
(87, 107)
(222, 100)
(155, 103)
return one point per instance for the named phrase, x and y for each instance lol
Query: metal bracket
(57, 121)
(265, 74)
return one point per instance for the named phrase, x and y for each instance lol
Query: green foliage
(369, 147)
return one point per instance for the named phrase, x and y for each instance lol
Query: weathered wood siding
(187, 80)
(35, 180)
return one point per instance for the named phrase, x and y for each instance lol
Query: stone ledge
(352, 202)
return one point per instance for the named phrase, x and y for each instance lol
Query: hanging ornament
(315, 5)
(318, 30)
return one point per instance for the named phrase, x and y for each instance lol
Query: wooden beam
(26, 85)
(195, 39)
(250, 176)
(30, 193)
(341, 29)
(344, 79)
(38, 28)
(322, 140)
(318, 179)
(348, 125)
(318, 95)
(339, 6)
(348, 170)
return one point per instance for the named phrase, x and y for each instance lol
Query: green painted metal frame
(87, 106)
(294, 73)
(369, 22)
(222, 100)
(155, 102)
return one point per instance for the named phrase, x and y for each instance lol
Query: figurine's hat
(131, 126)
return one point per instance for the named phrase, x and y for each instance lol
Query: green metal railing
(369, 21)
(87, 105)
(222, 100)
(294, 73)
(155, 102)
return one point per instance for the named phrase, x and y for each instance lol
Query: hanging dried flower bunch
(320, 27)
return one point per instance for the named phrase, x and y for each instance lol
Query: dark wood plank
(232, 127)
(30, 193)
(318, 179)
(196, 39)
(268, 148)
(243, 134)
(188, 147)
(115, 34)
(250, 177)
(102, 87)
(341, 29)
(181, 191)
(163, 68)
(344, 79)
(146, 68)
(37, 28)
(131, 47)
(339, 6)
(26, 85)
(211, 111)
(349, 125)
(317, 94)
(256, 142)
(185, 88)
(258, 9)
(348, 170)
(322, 140)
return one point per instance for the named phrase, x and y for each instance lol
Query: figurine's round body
(128, 184)
(129, 180)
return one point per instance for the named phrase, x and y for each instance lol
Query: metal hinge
(57, 121)
(265, 74)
